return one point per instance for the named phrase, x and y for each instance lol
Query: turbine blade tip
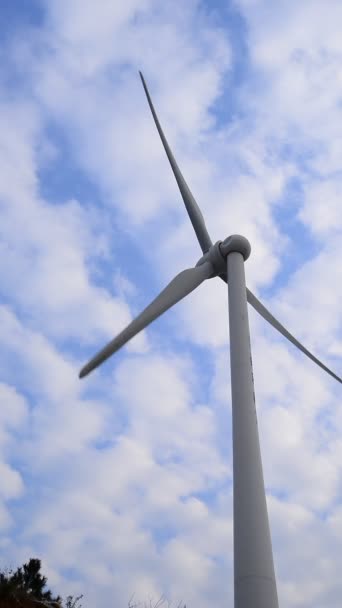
(83, 372)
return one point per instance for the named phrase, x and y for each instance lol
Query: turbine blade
(192, 207)
(260, 308)
(183, 284)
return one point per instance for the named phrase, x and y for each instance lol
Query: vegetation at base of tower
(26, 588)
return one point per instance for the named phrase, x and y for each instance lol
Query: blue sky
(122, 483)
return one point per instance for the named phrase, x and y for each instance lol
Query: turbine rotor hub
(215, 257)
(218, 252)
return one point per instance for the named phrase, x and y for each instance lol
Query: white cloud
(130, 471)
(13, 411)
(321, 210)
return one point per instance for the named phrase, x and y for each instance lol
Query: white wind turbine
(254, 578)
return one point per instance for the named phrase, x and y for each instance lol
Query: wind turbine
(254, 577)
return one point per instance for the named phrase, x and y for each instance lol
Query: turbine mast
(254, 578)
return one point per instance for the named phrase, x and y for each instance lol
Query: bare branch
(160, 602)
(136, 604)
(150, 603)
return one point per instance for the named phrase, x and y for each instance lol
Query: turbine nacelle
(236, 243)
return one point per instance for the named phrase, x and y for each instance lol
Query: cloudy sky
(122, 483)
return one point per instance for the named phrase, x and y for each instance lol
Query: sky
(122, 483)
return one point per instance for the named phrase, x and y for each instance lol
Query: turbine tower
(254, 578)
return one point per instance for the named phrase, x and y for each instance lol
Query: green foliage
(26, 588)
